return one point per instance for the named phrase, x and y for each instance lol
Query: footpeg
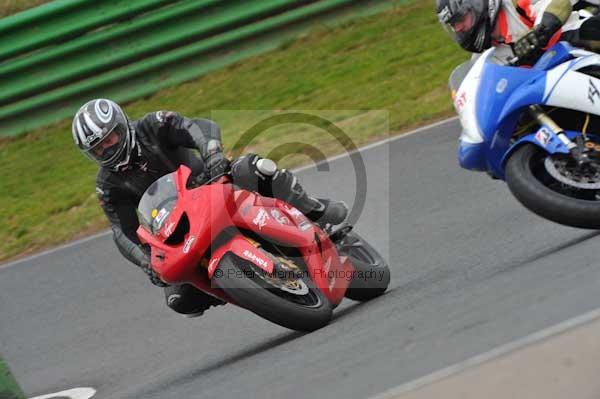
(340, 232)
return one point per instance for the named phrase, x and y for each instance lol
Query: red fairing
(242, 248)
(329, 272)
(217, 208)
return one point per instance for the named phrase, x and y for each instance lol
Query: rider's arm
(551, 16)
(121, 212)
(554, 16)
(175, 130)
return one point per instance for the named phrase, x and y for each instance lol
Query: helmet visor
(459, 22)
(110, 148)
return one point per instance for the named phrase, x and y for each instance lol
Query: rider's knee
(178, 299)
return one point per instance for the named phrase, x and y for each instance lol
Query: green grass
(397, 61)
(8, 7)
(8, 386)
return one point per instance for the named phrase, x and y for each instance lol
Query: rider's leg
(189, 301)
(254, 173)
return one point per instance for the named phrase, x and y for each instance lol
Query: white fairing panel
(465, 102)
(573, 90)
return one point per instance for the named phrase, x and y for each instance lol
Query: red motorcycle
(259, 253)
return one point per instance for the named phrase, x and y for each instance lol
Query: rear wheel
(372, 274)
(292, 302)
(554, 187)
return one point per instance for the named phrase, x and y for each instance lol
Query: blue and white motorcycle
(536, 128)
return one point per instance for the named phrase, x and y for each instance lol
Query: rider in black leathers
(133, 154)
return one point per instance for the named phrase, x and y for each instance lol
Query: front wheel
(554, 187)
(371, 272)
(293, 302)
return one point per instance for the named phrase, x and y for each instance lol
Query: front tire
(241, 280)
(538, 191)
(372, 272)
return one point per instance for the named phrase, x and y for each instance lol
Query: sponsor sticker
(543, 136)
(188, 244)
(460, 101)
(255, 258)
(280, 217)
(161, 216)
(593, 92)
(295, 213)
(501, 86)
(261, 219)
(304, 225)
(169, 229)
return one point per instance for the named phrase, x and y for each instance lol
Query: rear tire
(528, 188)
(241, 282)
(372, 272)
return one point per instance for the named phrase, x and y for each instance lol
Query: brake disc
(584, 177)
(294, 286)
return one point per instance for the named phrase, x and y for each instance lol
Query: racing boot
(328, 212)
(321, 211)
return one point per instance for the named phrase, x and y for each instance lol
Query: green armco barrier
(100, 38)
(134, 45)
(159, 48)
(34, 15)
(70, 22)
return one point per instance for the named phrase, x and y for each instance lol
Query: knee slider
(176, 302)
(184, 298)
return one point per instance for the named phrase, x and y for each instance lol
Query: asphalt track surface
(471, 270)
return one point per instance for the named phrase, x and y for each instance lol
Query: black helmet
(469, 22)
(101, 130)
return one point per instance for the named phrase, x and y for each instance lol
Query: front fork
(577, 149)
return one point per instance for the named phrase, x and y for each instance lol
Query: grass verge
(9, 7)
(397, 61)
(9, 389)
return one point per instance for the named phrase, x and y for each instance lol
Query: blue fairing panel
(531, 92)
(472, 156)
(556, 55)
(496, 95)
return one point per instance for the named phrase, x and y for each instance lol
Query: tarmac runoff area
(556, 363)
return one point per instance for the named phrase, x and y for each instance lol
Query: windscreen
(157, 203)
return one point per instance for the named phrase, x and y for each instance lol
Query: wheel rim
(565, 170)
(561, 174)
(295, 290)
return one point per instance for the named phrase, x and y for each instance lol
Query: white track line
(378, 143)
(365, 148)
(77, 393)
(490, 355)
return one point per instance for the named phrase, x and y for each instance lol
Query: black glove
(217, 164)
(154, 278)
(529, 48)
